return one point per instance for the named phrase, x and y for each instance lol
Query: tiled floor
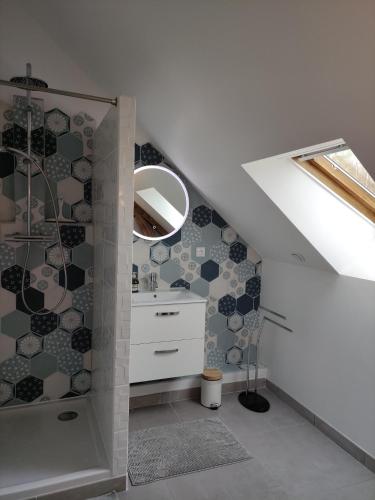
(292, 459)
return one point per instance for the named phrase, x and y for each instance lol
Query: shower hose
(31, 160)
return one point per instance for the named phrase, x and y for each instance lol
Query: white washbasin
(165, 297)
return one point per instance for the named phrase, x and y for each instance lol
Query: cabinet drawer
(161, 323)
(161, 360)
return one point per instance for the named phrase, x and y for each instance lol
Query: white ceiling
(223, 82)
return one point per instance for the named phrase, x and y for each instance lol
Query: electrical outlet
(200, 252)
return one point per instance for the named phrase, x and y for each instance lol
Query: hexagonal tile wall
(6, 392)
(209, 270)
(81, 340)
(171, 271)
(83, 255)
(219, 252)
(29, 388)
(82, 169)
(22, 165)
(245, 270)
(219, 273)
(237, 252)
(11, 279)
(19, 114)
(159, 253)
(82, 212)
(71, 191)
(180, 283)
(43, 365)
(31, 301)
(15, 368)
(7, 164)
(69, 146)
(75, 277)
(15, 324)
(81, 381)
(71, 319)
(57, 167)
(57, 122)
(54, 257)
(227, 305)
(44, 324)
(190, 233)
(253, 286)
(235, 322)
(202, 216)
(244, 304)
(150, 155)
(234, 356)
(172, 240)
(218, 220)
(7, 347)
(69, 361)
(200, 287)
(217, 323)
(63, 152)
(228, 235)
(57, 341)
(83, 298)
(29, 345)
(72, 235)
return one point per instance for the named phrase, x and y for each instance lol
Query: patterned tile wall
(46, 357)
(229, 274)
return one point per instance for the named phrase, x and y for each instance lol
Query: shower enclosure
(66, 202)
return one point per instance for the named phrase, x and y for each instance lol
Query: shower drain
(67, 415)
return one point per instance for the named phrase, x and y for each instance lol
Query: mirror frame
(170, 172)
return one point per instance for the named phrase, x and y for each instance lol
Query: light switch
(200, 252)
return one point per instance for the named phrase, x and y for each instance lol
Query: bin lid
(212, 374)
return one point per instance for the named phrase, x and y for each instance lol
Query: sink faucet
(153, 282)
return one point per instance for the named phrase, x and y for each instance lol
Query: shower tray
(41, 454)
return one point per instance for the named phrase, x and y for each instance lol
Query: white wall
(328, 363)
(22, 40)
(222, 82)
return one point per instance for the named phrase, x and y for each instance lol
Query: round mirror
(161, 203)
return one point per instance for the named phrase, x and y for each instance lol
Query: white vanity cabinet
(167, 335)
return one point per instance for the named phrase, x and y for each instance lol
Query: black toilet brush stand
(254, 401)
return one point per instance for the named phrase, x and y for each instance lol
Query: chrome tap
(153, 284)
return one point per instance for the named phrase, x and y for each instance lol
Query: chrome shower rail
(78, 95)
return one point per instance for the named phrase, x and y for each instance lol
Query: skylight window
(349, 164)
(341, 172)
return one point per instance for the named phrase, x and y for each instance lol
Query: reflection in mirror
(161, 202)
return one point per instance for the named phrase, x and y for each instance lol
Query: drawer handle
(168, 313)
(166, 351)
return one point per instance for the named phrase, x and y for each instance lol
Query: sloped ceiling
(223, 82)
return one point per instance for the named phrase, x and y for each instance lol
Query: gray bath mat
(172, 450)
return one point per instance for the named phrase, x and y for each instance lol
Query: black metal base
(254, 401)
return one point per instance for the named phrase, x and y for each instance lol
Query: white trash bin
(211, 388)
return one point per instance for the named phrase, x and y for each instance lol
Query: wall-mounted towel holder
(252, 400)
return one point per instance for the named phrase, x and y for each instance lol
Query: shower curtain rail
(34, 88)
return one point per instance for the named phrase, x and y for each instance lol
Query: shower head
(29, 80)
